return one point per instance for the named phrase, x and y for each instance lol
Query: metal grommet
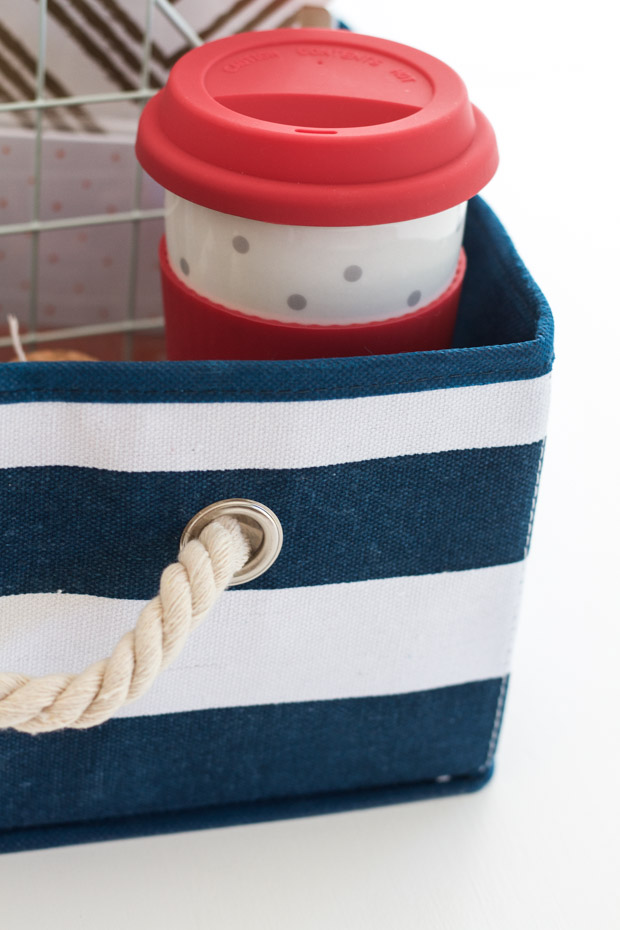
(261, 527)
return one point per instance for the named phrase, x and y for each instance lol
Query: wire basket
(79, 221)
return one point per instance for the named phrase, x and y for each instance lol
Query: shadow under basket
(369, 665)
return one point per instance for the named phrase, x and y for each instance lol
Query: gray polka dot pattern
(241, 244)
(352, 273)
(414, 298)
(184, 266)
(297, 302)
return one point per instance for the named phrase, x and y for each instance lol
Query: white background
(537, 848)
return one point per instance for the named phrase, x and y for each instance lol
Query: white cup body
(313, 274)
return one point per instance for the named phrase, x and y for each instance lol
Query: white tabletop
(538, 847)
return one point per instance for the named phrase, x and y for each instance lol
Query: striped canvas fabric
(370, 663)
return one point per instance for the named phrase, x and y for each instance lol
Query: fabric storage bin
(369, 665)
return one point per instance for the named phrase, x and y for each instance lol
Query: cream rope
(187, 590)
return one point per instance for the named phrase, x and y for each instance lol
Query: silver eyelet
(260, 525)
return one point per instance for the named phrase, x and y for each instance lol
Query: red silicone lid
(316, 127)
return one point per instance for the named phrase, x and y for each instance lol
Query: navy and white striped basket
(369, 664)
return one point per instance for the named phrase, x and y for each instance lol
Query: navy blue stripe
(504, 333)
(163, 822)
(111, 533)
(243, 755)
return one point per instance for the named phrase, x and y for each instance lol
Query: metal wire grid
(35, 226)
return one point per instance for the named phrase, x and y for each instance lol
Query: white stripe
(189, 437)
(391, 636)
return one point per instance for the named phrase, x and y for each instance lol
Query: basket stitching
(501, 698)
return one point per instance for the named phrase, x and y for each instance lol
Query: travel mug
(316, 190)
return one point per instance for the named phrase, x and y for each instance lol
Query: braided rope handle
(188, 589)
